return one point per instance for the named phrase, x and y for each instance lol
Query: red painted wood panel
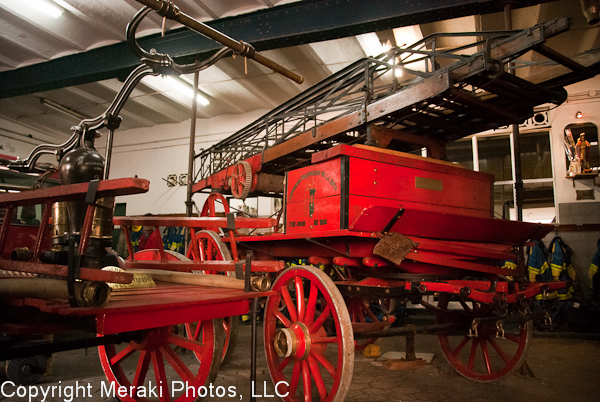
(432, 189)
(313, 215)
(319, 180)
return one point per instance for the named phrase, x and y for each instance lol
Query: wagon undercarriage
(365, 227)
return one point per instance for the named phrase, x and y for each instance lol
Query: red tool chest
(342, 181)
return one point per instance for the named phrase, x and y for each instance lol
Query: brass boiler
(102, 224)
(81, 165)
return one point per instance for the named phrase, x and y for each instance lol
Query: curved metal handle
(170, 11)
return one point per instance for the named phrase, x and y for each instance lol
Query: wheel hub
(293, 341)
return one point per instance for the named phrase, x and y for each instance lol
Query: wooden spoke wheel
(308, 337)
(484, 355)
(155, 362)
(210, 207)
(152, 364)
(363, 319)
(211, 248)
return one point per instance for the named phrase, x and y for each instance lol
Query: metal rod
(86, 340)
(253, 314)
(518, 178)
(188, 201)
(404, 331)
(224, 40)
(248, 270)
(108, 154)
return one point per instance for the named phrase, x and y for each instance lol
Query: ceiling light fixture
(578, 115)
(27, 7)
(168, 84)
(372, 45)
(187, 89)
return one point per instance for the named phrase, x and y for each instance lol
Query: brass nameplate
(139, 280)
(429, 184)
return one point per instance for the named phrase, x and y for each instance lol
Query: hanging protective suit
(537, 264)
(560, 264)
(594, 274)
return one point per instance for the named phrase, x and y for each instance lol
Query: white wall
(571, 211)
(155, 152)
(562, 117)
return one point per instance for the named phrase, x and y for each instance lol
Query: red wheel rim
(484, 358)
(212, 249)
(322, 360)
(210, 207)
(152, 364)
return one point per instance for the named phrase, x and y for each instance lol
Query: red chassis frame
(126, 311)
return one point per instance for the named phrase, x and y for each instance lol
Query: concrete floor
(567, 369)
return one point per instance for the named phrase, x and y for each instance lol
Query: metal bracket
(73, 265)
(90, 196)
(473, 330)
(499, 330)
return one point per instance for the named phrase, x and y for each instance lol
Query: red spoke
(141, 369)
(306, 381)
(300, 298)
(122, 355)
(359, 311)
(514, 338)
(461, 345)
(314, 369)
(486, 356)
(324, 362)
(279, 315)
(175, 361)
(185, 343)
(199, 326)
(370, 314)
(160, 375)
(352, 312)
(329, 339)
(284, 364)
(499, 350)
(312, 304)
(320, 320)
(473, 352)
(289, 304)
(295, 378)
(194, 246)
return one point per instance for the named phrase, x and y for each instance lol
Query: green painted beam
(288, 25)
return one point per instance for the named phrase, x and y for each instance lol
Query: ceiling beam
(287, 25)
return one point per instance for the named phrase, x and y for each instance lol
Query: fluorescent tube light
(168, 85)
(32, 6)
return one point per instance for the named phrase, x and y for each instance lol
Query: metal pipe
(242, 48)
(253, 343)
(591, 11)
(404, 331)
(191, 153)
(94, 294)
(108, 153)
(247, 272)
(517, 174)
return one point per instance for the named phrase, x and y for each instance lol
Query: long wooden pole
(220, 281)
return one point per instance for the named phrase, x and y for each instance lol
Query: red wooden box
(342, 181)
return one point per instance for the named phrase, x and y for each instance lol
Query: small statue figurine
(583, 151)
